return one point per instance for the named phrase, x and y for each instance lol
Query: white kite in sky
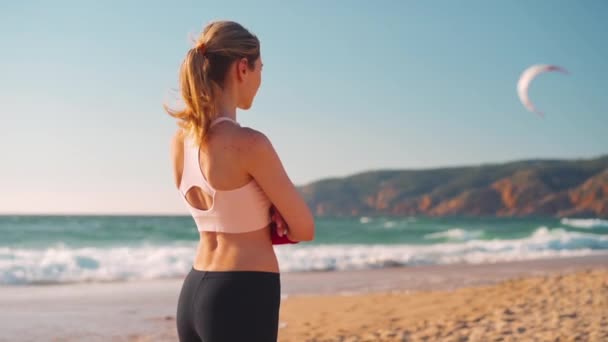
(526, 78)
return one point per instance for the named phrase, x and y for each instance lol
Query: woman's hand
(279, 222)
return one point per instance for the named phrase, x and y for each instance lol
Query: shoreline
(315, 282)
(144, 310)
(430, 277)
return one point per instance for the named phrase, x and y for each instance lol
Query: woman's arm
(262, 162)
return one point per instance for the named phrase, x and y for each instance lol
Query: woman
(231, 178)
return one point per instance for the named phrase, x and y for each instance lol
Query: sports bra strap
(222, 118)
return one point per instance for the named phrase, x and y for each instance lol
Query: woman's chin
(245, 106)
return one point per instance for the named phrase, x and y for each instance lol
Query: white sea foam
(59, 263)
(584, 223)
(542, 243)
(364, 219)
(389, 224)
(455, 234)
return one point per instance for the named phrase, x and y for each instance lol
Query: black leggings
(229, 306)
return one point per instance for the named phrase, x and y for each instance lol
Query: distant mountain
(561, 188)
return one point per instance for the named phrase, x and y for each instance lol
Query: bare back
(221, 163)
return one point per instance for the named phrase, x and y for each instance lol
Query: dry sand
(572, 307)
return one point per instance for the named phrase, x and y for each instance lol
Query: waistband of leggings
(236, 273)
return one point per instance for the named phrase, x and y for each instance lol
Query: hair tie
(201, 48)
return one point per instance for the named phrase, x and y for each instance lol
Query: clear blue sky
(348, 86)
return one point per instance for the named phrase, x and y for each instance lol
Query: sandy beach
(571, 307)
(562, 299)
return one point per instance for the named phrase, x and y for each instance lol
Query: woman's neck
(226, 106)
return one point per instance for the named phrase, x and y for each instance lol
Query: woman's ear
(242, 68)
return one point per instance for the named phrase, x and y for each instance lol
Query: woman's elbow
(306, 233)
(309, 235)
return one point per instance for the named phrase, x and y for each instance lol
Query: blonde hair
(203, 72)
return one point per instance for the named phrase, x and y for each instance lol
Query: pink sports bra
(238, 210)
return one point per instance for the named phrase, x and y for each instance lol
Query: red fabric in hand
(276, 239)
(280, 240)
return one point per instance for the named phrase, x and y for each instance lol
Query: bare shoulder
(257, 152)
(253, 142)
(253, 137)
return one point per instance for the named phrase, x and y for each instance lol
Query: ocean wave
(584, 223)
(542, 243)
(389, 224)
(60, 264)
(455, 234)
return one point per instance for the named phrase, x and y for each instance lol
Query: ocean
(39, 250)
